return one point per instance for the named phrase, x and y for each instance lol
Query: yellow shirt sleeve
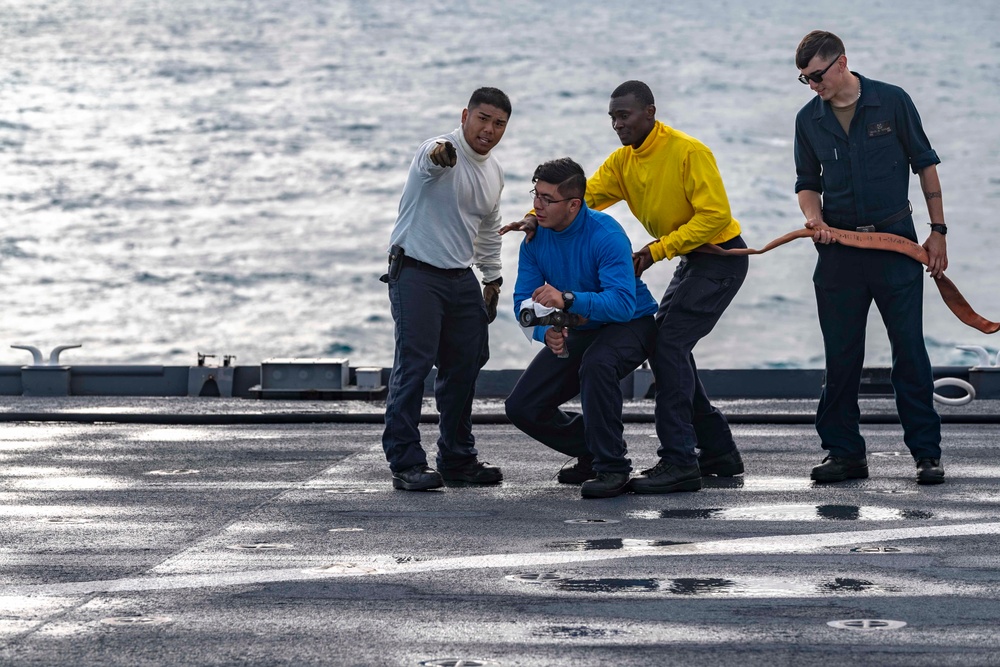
(604, 188)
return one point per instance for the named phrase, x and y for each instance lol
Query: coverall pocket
(834, 170)
(703, 295)
(899, 270)
(883, 157)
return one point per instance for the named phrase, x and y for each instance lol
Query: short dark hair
(818, 43)
(641, 91)
(565, 174)
(492, 96)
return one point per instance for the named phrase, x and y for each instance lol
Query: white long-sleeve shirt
(449, 216)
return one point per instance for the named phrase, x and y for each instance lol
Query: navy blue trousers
(702, 288)
(847, 281)
(441, 321)
(598, 360)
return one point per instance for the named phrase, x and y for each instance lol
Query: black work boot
(727, 464)
(606, 485)
(473, 472)
(666, 477)
(417, 478)
(930, 471)
(837, 469)
(578, 473)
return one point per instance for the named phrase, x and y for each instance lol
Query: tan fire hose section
(876, 241)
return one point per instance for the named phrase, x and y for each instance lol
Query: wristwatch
(568, 299)
(941, 229)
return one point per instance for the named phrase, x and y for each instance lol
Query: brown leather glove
(444, 154)
(491, 295)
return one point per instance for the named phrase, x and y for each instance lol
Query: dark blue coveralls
(863, 179)
(440, 321)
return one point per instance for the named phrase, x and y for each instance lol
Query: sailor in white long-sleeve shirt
(449, 215)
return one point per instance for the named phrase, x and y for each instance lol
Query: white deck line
(773, 544)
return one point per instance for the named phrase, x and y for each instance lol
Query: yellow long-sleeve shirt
(672, 185)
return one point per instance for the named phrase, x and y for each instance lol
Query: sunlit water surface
(223, 176)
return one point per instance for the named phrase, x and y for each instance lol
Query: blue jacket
(862, 176)
(591, 258)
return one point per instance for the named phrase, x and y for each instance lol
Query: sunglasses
(817, 77)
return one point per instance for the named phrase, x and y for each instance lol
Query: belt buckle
(866, 228)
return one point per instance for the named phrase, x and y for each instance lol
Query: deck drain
(260, 546)
(349, 489)
(136, 620)
(867, 624)
(174, 471)
(887, 453)
(65, 519)
(346, 530)
(534, 577)
(591, 521)
(895, 492)
(876, 550)
(455, 662)
(341, 568)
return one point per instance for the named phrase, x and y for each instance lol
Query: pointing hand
(443, 154)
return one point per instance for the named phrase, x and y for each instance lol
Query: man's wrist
(656, 250)
(568, 300)
(939, 227)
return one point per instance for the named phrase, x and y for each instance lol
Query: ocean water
(222, 177)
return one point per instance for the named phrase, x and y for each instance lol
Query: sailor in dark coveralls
(854, 142)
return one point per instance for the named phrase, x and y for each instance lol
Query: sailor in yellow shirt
(672, 184)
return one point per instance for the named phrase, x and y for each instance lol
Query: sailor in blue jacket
(854, 144)
(580, 261)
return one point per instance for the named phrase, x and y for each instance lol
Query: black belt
(877, 227)
(430, 268)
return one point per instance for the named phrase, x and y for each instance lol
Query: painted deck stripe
(776, 544)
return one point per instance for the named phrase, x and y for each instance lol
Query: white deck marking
(773, 544)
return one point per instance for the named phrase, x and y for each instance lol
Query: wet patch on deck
(788, 513)
(737, 587)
